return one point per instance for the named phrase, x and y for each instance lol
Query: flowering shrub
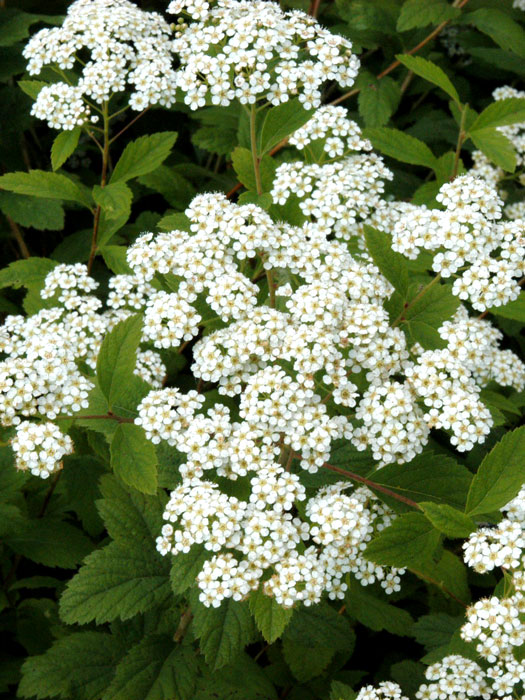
(261, 384)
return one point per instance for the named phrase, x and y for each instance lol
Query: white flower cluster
(456, 678)
(42, 376)
(386, 690)
(332, 131)
(40, 447)
(485, 255)
(250, 50)
(335, 195)
(128, 49)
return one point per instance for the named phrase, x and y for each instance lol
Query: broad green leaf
(393, 265)
(31, 212)
(321, 626)
(242, 162)
(449, 574)
(415, 13)
(218, 133)
(128, 514)
(143, 155)
(436, 630)
(409, 674)
(448, 520)
(114, 199)
(429, 71)
(501, 113)
(247, 678)
(31, 87)
(186, 566)
(175, 188)
(223, 632)
(118, 581)
(305, 661)
(500, 476)
(456, 646)
(50, 542)
(270, 617)
(280, 122)
(376, 614)
(340, 691)
(11, 519)
(29, 273)
(117, 357)
(429, 308)
(501, 28)
(81, 664)
(428, 477)
(493, 398)
(115, 258)
(155, 669)
(80, 476)
(63, 146)
(410, 539)
(377, 99)
(133, 458)
(175, 222)
(401, 146)
(496, 147)
(505, 60)
(514, 309)
(261, 200)
(40, 183)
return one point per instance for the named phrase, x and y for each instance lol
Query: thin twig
(184, 623)
(17, 233)
(440, 585)
(125, 128)
(314, 8)
(372, 485)
(410, 303)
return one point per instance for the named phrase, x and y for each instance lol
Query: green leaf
(50, 542)
(374, 613)
(410, 540)
(118, 581)
(248, 679)
(270, 617)
(321, 626)
(128, 514)
(340, 691)
(242, 162)
(415, 13)
(429, 310)
(449, 574)
(306, 662)
(155, 669)
(501, 28)
(403, 147)
(500, 476)
(280, 122)
(31, 87)
(261, 200)
(133, 458)
(29, 273)
(115, 258)
(377, 99)
(63, 146)
(42, 214)
(175, 189)
(186, 567)
(493, 398)
(143, 155)
(514, 309)
(80, 476)
(501, 113)
(429, 71)
(117, 357)
(175, 222)
(114, 199)
(448, 520)
(436, 630)
(428, 477)
(393, 265)
(496, 147)
(40, 183)
(223, 632)
(80, 665)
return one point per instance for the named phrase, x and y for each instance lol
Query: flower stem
(410, 303)
(461, 139)
(255, 157)
(103, 176)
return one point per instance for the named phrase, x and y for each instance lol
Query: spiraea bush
(261, 377)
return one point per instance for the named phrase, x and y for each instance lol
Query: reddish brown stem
(372, 485)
